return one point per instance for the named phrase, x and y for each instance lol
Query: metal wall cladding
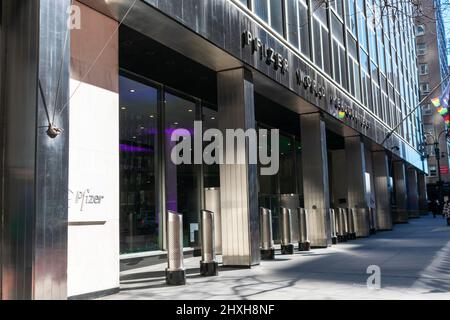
(239, 182)
(315, 179)
(413, 193)
(34, 248)
(400, 214)
(355, 169)
(362, 221)
(223, 24)
(382, 190)
(423, 198)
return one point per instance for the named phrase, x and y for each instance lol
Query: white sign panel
(94, 155)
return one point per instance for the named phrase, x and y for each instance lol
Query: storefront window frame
(160, 162)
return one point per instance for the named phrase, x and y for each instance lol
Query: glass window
(337, 28)
(271, 11)
(287, 165)
(433, 171)
(420, 30)
(427, 110)
(337, 6)
(364, 58)
(362, 31)
(320, 10)
(261, 8)
(317, 43)
(304, 28)
(423, 69)
(424, 88)
(276, 15)
(351, 16)
(211, 173)
(293, 23)
(421, 49)
(182, 181)
(352, 47)
(139, 220)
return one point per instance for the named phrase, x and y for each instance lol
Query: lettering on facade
(266, 53)
(307, 82)
(84, 198)
(345, 111)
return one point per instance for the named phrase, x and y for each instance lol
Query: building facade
(334, 79)
(433, 69)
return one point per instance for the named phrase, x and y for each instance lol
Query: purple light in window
(128, 148)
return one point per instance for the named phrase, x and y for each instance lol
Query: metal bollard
(208, 266)
(333, 226)
(175, 272)
(342, 223)
(339, 229)
(286, 231)
(351, 224)
(212, 203)
(303, 241)
(267, 247)
(373, 221)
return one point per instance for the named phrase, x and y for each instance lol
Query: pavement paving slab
(413, 260)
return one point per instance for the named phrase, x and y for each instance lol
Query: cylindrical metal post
(266, 235)
(333, 226)
(286, 231)
(351, 224)
(175, 272)
(208, 265)
(341, 225)
(212, 203)
(303, 243)
(373, 221)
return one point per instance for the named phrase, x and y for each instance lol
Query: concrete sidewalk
(414, 259)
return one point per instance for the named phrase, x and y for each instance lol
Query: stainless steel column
(423, 198)
(315, 178)
(412, 193)
(34, 198)
(212, 203)
(238, 182)
(400, 215)
(356, 186)
(382, 190)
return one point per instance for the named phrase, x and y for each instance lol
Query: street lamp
(437, 154)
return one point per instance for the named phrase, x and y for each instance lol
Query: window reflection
(182, 181)
(138, 215)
